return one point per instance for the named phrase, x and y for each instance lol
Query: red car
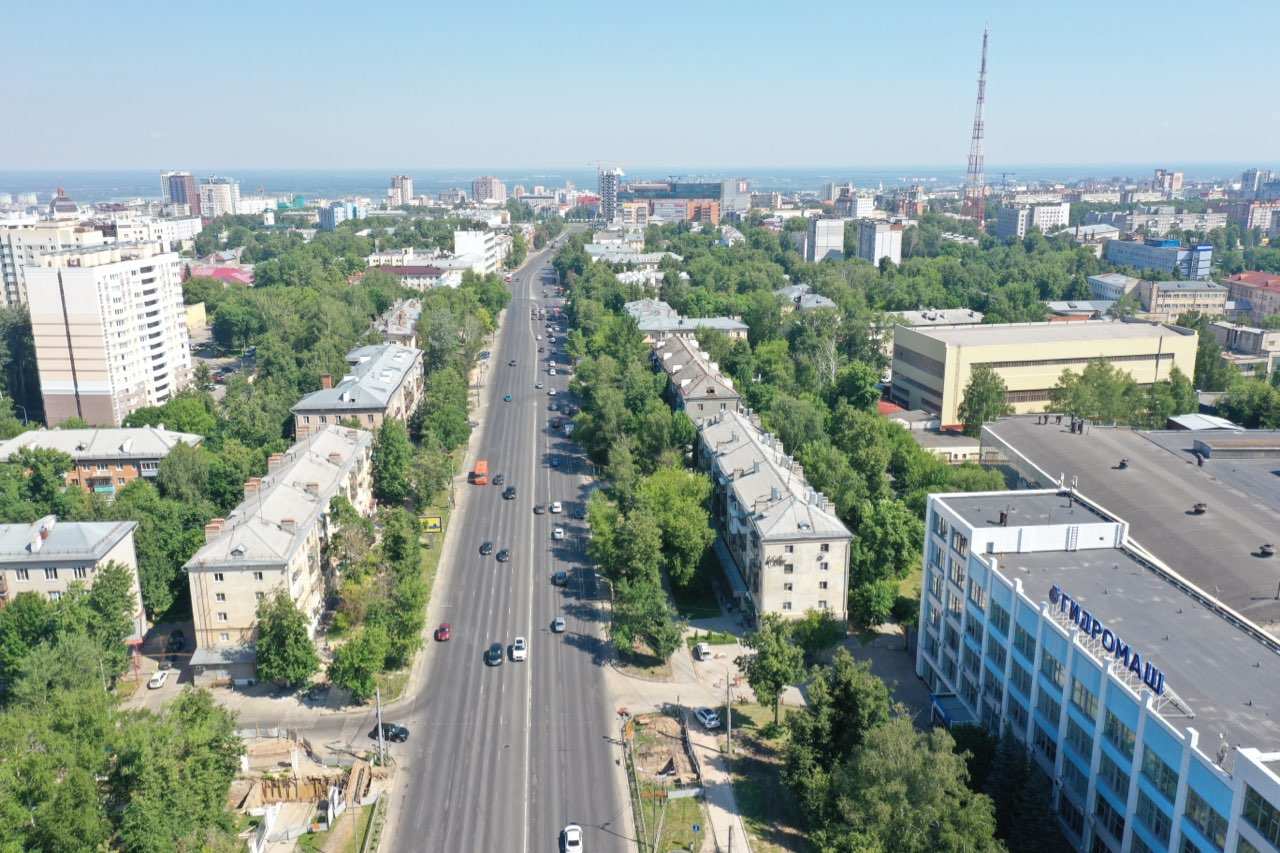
(444, 632)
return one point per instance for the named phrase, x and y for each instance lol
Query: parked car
(393, 732)
(511, 363)
(499, 479)
(556, 507)
(709, 718)
(158, 680)
(558, 533)
(444, 632)
(560, 579)
(702, 651)
(571, 838)
(557, 625)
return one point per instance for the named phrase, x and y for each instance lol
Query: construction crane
(975, 185)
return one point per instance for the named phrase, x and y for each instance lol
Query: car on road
(519, 649)
(571, 839)
(551, 392)
(539, 337)
(539, 386)
(158, 680)
(539, 509)
(578, 513)
(493, 657)
(444, 633)
(557, 625)
(509, 493)
(539, 349)
(551, 371)
(486, 548)
(702, 651)
(499, 479)
(558, 533)
(709, 718)
(504, 555)
(393, 732)
(556, 507)
(511, 363)
(177, 641)
(506, 398)
(560, 579)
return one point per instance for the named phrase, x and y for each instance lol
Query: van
(702, 651)
(480, 474)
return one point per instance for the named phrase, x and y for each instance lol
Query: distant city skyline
(114, 87)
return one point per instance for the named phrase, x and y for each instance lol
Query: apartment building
(1161, 256)
(787, 550)
(825, 240)
(110, 330)
(658, 321)
(1147, 701)
(609, 181)
(401, 191)
(482, 249)
(1158, 221)
(489, 189)
(47, 556)
(219, 197)
(802, 298)
(179, 189)
(275, 539)
(399, 323)
(384, 381)
(173, 234)
(1256, 294)
(104, 460)
(1253, 351)
(932, 366)
(878, 240)
(1165, 301)
(696, 385)
(1014, 222)
(1255, 214)
(635, 213)
(21, 245)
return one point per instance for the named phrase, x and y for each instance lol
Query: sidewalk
(717, 784)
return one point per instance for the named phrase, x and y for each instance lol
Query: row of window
(219, 577)
(77, 573)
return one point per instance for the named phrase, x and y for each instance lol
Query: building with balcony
(105, 460)
(385, 381)
(275, 539)
(658, 321)
(1253, 351)
(1165, 301)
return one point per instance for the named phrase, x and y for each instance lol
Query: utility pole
(730, 838)
(728, 712)
(382, 744)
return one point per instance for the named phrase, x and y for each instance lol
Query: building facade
(1014, 222)
(1255, 293)
(610, 181)
(401, 191)
(275, 539)
(22, 245)
(1128, 686)
(489, 189)
(1112, 286)
(178, 188)
(104, 460)
(219, 197)
(789, 553)
(932, 366)
(1253, 351)
(695, 384)
(385, 381)
(110, 331)
(878, 240)
(1165, 301)
(47, 556)
(1161, 256)
(826, 240)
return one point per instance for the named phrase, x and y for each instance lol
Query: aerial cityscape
(415, 447)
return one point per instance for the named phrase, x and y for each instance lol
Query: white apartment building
(788, 551)
(1016, 221)
(275, 539)
(110, 330)
(175, 234)
(21, 245)
(219, 197)
(1112, 285)
(482, 248)
(401, 191)
(878, 240)
(489, 189)
(826, 240)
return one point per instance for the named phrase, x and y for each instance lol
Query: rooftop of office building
(939, 317)
(377, 371)
(1022, 509)
(1043, 333)
(1156, 493)
(1175, 286)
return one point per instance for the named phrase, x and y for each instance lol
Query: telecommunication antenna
(975, 196)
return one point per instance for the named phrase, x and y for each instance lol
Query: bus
(480, 475)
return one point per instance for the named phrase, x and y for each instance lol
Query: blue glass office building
(1153, 707)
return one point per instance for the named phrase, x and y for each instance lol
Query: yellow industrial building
(932, 366)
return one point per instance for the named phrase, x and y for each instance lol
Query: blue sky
(506, 84)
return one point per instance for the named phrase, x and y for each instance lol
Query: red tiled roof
(1253, 278)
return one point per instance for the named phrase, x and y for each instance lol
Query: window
(1262, 816)
(1243, 846)
(222, 616)
(935, 584)
(1159, 774)
(1207, 819)
(999, 619)
(1187, 847)
(1071, 816)
(1109, 818)
(973, 628)
(1079, 739)
(257, 576)
(789, 549)
(1140, 846)
(954, 605)
(977, 594)
(1117, 779)
(825, 547)
(79, 573)
(1120, 735)
(51, 574)
(960, 543)
(1051, 668)
(789, 569)
(258, 595)
(952, 637)
(1082, 697)
(1152, 817)
(1048, 708)
(1045, 744)
(1024, 642)
(24, 574)
(822, 567)
(219, 596)
(995, 651)
(822, 604)
(957, 573)
(786, 605)
(1018, 714)
(822, 584)
(1074, 778)
(1021, 679)
(788, 587)
(217, 577)
(55, 595)
(970, 661)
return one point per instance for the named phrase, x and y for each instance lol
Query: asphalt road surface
(500, 758)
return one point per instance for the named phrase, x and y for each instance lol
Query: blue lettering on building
(1151, 676)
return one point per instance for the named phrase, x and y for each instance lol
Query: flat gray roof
(1155, 494)
(1035, 333)
(1024, 509)
(1227, 677)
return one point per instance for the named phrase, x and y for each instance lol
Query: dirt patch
(659, 751)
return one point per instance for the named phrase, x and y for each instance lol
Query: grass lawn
(766, 805)
(677, 822)
(345, 838)
(643, 664)
(712, 638)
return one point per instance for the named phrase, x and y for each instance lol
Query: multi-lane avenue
(500, 758)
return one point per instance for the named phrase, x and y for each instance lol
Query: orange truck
(480, 475)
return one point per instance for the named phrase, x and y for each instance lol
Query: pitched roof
(62, 540)
(691, 372)
(105, 443)
(377, 371)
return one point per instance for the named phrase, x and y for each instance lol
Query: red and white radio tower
(975, 201)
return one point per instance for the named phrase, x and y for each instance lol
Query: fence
(633, 783)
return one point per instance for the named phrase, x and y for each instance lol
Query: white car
(558, 533)
(539, 337)
(571, 839)
(556, 507)
(551, 392)
(551, 371)
(709, 718)
(539, 386)
(520, 651)
(159, 679)
(557, 625)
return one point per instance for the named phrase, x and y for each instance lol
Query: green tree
(641, 612)
(676, 499)
(392, 462)
(184, 473)
(985, 399)
(358, 661)
(776, 661)
(286, 654)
